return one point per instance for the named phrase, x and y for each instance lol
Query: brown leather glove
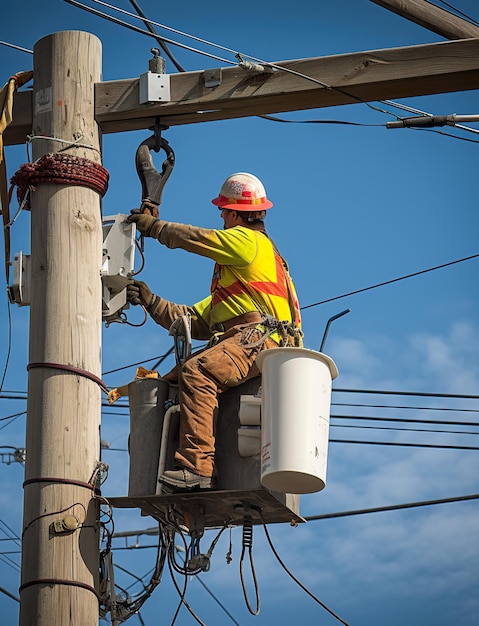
(143, 222)
(148, 225)
(138, 292)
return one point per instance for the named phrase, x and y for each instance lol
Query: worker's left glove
(138, 292)
(148, 225)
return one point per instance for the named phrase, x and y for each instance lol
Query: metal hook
(153, 181)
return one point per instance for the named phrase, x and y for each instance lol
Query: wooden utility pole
(60, 557)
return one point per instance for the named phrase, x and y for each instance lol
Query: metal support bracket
(212, 77)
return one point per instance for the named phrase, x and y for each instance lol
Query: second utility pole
(60, 555)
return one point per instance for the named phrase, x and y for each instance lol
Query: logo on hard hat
(242, 192)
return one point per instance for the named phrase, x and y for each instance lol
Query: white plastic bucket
(296, 400)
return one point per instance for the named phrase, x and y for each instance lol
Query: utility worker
(252, 306)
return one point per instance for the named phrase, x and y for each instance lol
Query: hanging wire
(131, 606)
(9, 345)
(247, 546)
(291, 575)
(181, 593)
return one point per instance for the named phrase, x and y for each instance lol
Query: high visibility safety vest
(249, 275)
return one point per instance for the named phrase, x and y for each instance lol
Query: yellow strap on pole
(6, 112)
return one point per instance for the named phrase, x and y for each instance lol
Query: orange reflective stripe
(269, 288)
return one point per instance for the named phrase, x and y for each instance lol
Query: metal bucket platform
(215, 508)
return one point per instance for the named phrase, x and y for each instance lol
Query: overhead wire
(2, 419)
(441, 132)
(273, 118)
(456, 10)
(396, 406)
(405, 445)
(8, 561)
(141, 31)
(220, 604)
(419, 394)
(404, 420)
(393, 280)
(11, 45)
(397, 429)
(10, 595)
(160, 359)
(391, 507)
(160, 41)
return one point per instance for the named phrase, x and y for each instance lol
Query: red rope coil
(60, 168)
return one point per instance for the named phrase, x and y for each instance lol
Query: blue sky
(354, 206)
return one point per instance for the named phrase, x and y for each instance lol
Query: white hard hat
(242, 192)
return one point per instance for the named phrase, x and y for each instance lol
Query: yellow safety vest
(249, 275)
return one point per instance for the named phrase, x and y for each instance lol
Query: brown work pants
(201, 378)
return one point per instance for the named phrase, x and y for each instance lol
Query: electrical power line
(11, 45)
(419, 394)
(392, 507)
(456, 10)
(141, 31)
(400, 429)
(160, 41)
(274, 118)
(394, 280)
(405, 445)
(407, 420)
(159, 360)
(216, 600)
(10, 595)
(396, 406)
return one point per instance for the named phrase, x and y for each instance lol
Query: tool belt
(283, 333)
(253, 317)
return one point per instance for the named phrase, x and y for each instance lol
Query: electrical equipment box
(117, 265)
(154, 87)
(19, 290)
